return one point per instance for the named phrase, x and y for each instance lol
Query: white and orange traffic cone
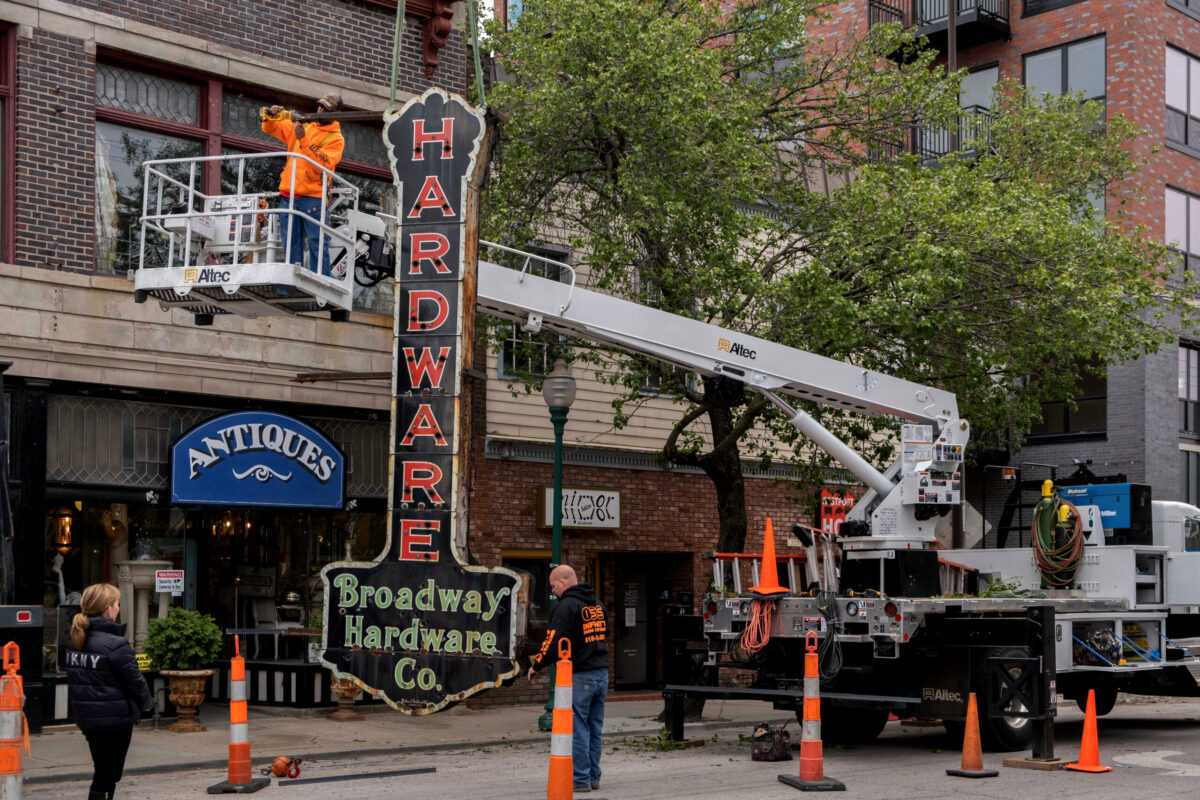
(561, 784)
(972, 750)
(14, 732)
(240, 780)
(812, 760)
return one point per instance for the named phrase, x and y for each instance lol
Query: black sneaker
(596, 786)
(582, 787)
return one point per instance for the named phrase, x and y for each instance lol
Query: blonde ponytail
(79, 629)
(96, 600)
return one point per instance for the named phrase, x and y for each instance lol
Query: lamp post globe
(558, 390)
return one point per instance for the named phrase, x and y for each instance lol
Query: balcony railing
(978, 21)
(974, 134)
(930, 13)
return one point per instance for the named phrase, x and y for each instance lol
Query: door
(631, 618)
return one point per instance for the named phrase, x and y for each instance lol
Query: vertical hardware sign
(419, 626)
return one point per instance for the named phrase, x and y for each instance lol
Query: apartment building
(1139, 59)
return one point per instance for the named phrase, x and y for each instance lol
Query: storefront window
(86, 542)
(249, 568)
(120, 152)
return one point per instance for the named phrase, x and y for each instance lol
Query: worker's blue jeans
(300, 234)
(589, 690)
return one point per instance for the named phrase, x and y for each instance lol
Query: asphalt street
(1153, 747)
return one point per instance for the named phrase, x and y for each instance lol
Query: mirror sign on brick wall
(582, 508)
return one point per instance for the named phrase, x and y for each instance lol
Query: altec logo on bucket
(205, 275)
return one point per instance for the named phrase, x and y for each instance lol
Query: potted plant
(184, 647)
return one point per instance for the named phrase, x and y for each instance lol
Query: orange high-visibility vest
(322, 143)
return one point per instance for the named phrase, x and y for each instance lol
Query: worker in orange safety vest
(323, 143)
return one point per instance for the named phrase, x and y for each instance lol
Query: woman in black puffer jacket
(106, 688)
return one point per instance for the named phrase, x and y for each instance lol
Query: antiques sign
(256, 458)
(419, 626)
(581, 508)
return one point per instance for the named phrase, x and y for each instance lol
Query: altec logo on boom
(735, 349)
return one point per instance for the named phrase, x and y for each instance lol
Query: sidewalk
(61, 753)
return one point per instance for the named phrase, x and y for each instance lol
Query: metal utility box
(1124, 510)
(23, 625)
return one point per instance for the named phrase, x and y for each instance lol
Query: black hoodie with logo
(580, 618)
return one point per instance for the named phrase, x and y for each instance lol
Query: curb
(222, 763)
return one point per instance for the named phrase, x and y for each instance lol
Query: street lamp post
(558, 389)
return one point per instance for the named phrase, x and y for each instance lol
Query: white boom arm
(930, 468)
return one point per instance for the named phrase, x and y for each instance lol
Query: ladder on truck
(213, 254)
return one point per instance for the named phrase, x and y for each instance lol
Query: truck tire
(841, 725)
(997, 733)
(1106, 698)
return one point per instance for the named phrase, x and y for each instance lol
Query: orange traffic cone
(561, 785)
(812, 762)
(972, 752)
(14, 732)
(1089, 748)
(240, 781)
(769, 585)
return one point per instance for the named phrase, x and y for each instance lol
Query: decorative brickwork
(349, 38)
(56, 141)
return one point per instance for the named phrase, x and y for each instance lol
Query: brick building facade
(100, 386)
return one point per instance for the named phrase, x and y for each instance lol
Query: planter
(346, 690)
(187, 693)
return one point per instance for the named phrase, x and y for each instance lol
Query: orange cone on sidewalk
(812, 759)
(1089, 748)
(14, 733)
(561, 785)
(972, 752)
(240, 780)
(769, 576)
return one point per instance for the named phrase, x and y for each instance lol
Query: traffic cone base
(972, 752)
(769, 575)
(240, 788)
(823, 785)
(1089, 748)
(977, 773)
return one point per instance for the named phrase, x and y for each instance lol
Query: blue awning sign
(257, 458)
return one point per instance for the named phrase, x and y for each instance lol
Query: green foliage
(184, 640)
(1012, 588)
(663, 742)
(723, 163)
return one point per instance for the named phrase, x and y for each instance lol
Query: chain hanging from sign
(420, 627)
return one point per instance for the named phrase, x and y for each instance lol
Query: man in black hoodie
(581, 619)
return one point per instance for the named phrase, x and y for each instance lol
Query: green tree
(734, 165)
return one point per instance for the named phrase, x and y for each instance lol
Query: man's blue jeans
(300, 234)
(589, 690)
